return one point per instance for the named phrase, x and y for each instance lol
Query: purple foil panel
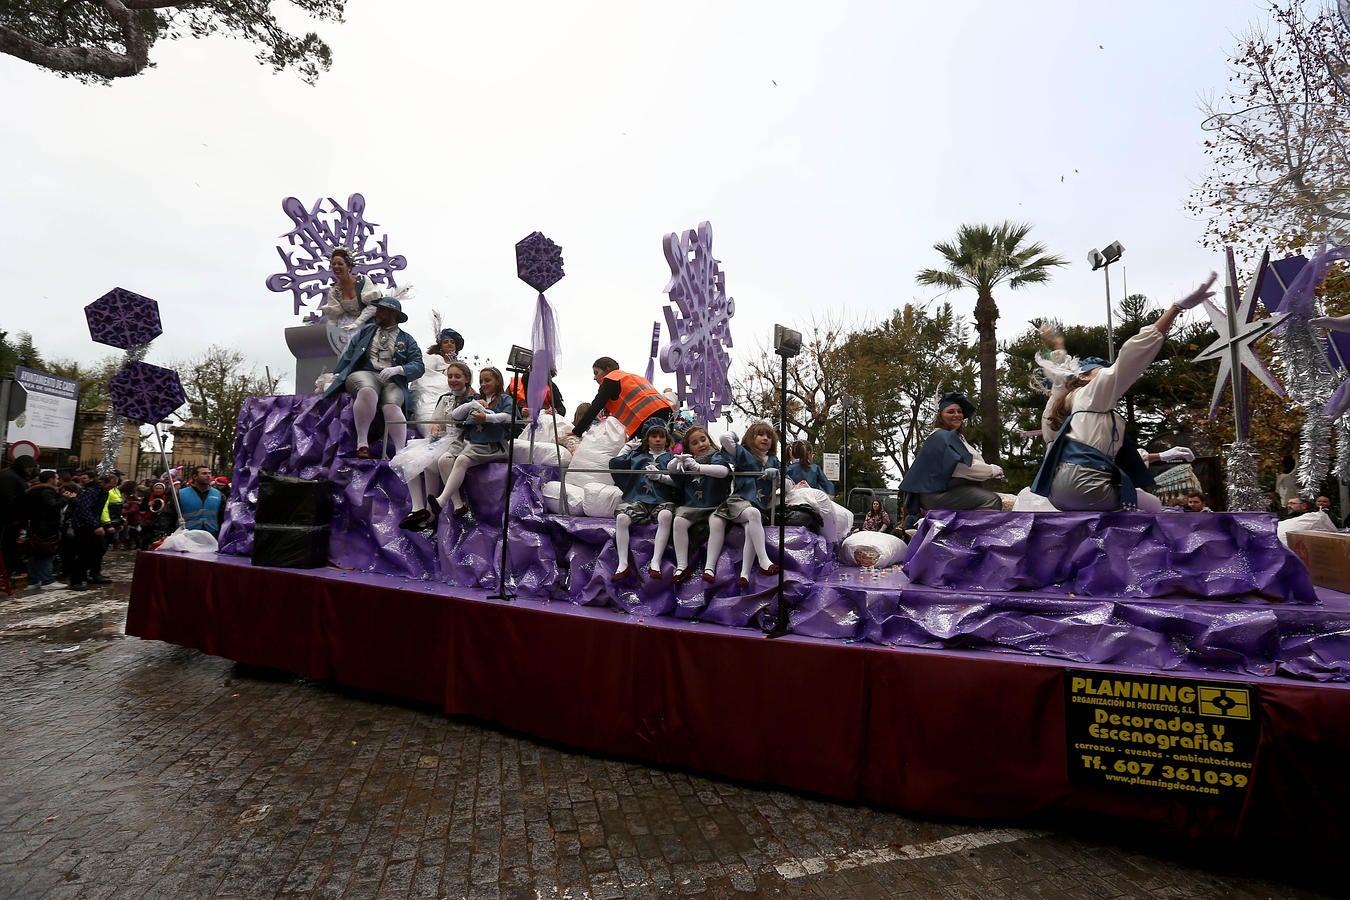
(539, 261)
(590, 559)
(369, 503)
(699, 319)
(1229, 556)
(145, 393)
(123, 319)
(470, 548)
(298, 435)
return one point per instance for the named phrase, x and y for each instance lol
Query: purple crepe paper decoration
(539, 261)
(123, 319)
(1339, 402)
(698, 318)
(1279, 276)
(1338, 351)
(1298, 300)
(539, 264)
(1238, 333)
(145, 393)
(317, 233)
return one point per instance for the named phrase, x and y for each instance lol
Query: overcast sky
(830, 145)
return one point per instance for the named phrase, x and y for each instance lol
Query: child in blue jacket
(648, 496)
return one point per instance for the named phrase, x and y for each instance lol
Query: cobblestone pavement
(133, 768)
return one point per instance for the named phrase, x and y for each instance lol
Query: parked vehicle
(860, 500)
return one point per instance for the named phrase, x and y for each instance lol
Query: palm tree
(981, 258)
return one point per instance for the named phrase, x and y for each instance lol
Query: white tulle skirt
(420, 454)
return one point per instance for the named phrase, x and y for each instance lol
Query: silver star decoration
(1234, 347)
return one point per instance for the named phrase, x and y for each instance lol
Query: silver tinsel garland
(1314, 449)
(114, 422)
(1310, 386)
(1343, 448)
(1244, 489)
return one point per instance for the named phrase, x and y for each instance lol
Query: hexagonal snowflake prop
(699, 323)
(317, 233)
(145, 393)
(539, 261)
(123, 319)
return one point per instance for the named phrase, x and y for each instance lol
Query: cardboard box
(1327, 556)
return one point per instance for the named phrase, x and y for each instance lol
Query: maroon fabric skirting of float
(933, 732)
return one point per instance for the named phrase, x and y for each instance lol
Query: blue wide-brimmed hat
(1088, 363)
(960, 399)
(453, 335)
(392, 303)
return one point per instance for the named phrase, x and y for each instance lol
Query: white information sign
(830, 463)
(49, 419)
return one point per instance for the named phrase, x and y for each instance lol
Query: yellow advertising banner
(1193, 739)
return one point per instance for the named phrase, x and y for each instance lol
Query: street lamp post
(1102, 259)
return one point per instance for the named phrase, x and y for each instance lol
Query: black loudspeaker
(292, 522)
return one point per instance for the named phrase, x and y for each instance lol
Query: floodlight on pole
(1102, 259)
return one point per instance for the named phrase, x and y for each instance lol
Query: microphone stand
(503, 578)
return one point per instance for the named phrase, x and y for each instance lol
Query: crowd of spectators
(56, 526)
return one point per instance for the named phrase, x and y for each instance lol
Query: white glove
(651, 467)
(998, 472)
(632, 445)
(1176, 455)
(389, 372)
(769, 473)
(1199, 295)
(690, 464)
(1332, 323)
(676, 464)
(729, 442)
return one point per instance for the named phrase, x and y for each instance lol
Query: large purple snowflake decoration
(145, 393)
(317, 233)
(699, 323)
(539, 261)
(123, 319)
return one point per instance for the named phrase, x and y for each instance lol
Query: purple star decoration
(317, 233)
(539, 264)
(123, 319)
(698, 319)
(145, 393)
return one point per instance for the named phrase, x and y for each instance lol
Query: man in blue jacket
(375, 369)
(203, 506)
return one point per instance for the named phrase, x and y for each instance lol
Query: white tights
(454, 481)
(363, 413)
(754, 541)
(622, 522)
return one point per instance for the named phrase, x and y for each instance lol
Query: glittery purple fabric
(471, 547)
(590, 560)
(1230, 556)
(1118, 589)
